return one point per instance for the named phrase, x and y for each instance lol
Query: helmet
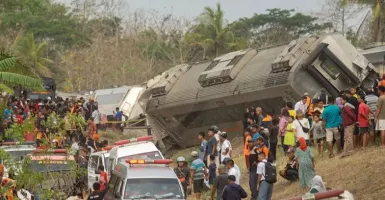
(181, 159)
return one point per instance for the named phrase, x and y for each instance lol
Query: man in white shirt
(226, 146)
(301, 105)
(299, 124)
(96, 116)
(265, 189)
(233, 170)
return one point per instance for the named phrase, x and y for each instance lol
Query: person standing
(380, 114)
(226, 146)
(348, 122)
(233, 191)
(354, 102)
(212, 147)
(305, 164)
(246, 150)
(203, 147)
(331, 121)
(273, 138)
(283, 122)
(301, 105)
(119, 119)
(265, 189)
(103, 177)
(289, 139)
(301, 127)
(232, 170)
(253, 160)
(219, 183)
(371, 101)
(259, 116)
(197, 172)
(183, 173)
(318, 133)
(363, 122)
(97, 117)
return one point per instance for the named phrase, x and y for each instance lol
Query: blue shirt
(212, 142)
(256, 136)
(198, 166)
(332, 116)
(118, 115)
(203, 149)
(7, 112)
(212, 173)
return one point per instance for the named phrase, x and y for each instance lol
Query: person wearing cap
(233, 191)
(197, 171)
(301, 105)
(182, 171)
(226, 146)
(219, 183)
(290, 172)
(212, 144)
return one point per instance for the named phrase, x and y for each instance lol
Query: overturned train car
(190, 98)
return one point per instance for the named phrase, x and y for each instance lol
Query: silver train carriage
(189, 98)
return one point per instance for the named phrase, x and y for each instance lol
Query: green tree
(213, 33)
(33, 53)
(45, 19)
(276, 27)
(378, 20)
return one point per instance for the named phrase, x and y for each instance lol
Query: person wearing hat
(290, 172)
(182, 171)
(226, 146)
(219, 183)
(197, 174)
(233, 191)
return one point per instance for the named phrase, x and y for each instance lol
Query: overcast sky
(233, 9)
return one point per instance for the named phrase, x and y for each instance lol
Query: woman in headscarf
(305, 164)
(318, 185)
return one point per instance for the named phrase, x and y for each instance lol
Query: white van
(141, 150)
(137, 148)
(144, 179)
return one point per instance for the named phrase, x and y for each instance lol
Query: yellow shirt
(293, 113)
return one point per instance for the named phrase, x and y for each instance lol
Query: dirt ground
(361, 174)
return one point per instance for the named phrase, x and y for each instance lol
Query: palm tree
(213, 32)
(378, 7)
(33, 54)
(15, 73)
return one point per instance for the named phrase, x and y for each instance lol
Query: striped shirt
(371, 100)
(198, 166)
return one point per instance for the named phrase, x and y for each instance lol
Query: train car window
(330, 68)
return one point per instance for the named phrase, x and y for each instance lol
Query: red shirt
(363, 109)
(19, 119)
(29, 137)
(103, 180)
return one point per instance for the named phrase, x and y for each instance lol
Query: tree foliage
(276, 27)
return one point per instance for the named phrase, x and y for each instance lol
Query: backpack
(270, 173)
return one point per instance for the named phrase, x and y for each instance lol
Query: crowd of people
(46, 120)
(338, 126)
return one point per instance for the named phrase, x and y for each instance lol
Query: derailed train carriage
(190, 98)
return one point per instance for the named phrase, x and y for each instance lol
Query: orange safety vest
(381, 83)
